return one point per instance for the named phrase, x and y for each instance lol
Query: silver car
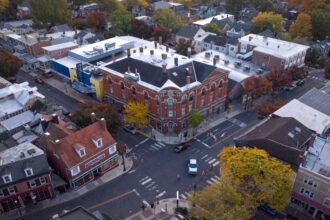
(130, 129)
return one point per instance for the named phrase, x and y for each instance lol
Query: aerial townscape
(164, 109)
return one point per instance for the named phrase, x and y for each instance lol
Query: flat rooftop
(272, 46)
(68, 62)
(317, 159)
(238, 73)
(208, 20)
(60, 46)
(15, 153)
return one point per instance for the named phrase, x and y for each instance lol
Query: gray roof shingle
(188, 31)
(317, 99)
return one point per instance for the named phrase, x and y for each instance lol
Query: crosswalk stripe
(183, 196)
(161, 194)
(147, 181)
(205, 156)
(152, 183)
(217, 177)
(209, 182)
(161, 144)
(214, 180)
(156, 148)
(158, 145)
(145, 203)
(188, 194)
(211, 161)
(216, 163)
(143, 179)
(208, 159)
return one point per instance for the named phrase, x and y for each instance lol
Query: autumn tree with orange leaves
(257, 86)
(269, 108)
(279, 79)
(293, 3)
(309, 5)
(96, 19)
(302, 27)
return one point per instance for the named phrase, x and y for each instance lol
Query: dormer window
(79, 149)
(28, 172)
(7, 178)
(82, 152)
(99, 142)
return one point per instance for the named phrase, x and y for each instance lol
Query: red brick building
(33, 45)
(169, 84)
(58, 51)
(25, 177)
(80, 156)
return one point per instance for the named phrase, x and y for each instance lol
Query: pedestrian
(143, 207)
(133, 154)
(141, 161)
(203, 173)
(211, 166)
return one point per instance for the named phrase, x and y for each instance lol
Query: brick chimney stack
(151, 52)
(166, 48)
(250, 38)
(104, 123)
(188, 79)
(93, 117)
(164, 56)
(113, 56)
(141, 49)
(190, 69)
(214, 61)
(155, 44)
(128, 52)
(164, 68)
(189, 52)
(160, 40)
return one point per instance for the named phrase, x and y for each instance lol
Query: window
(315, 185)
(99, 142)
(75, 170)
(212, 88)
(1, 193)
(133, 91)
(191, 97)
(6, 178)
(112, 149)
(302, 190)
(282, 62)
(305, 180)
(232, 48)
(183, 124)
(28, 172)
(170, 113)
(158, 101)
(190, 108)
(109, 81)
(183, 111)
(32, 183)
(184, 100)
(310, 182)
(111, 91)
(327, 202)
(220, 84)
(311, 195)
(265, 57)
(122, 85)
(170, 102)
(203, 91)
(202, 103)
(82, 152)
(211, 98)
(123, 96)
(216, 48)
(43, 180)
(11, 190)
(145, 95)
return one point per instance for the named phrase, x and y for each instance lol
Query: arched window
(184, 100)
(122, 85)
(212, 87)
(170, 102)
(191, 97)
(109, 80)
(145, 95)
(220, 84)
(203, 91)
(133, 90)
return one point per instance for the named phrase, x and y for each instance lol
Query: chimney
(151, 52)
(267, 43)
(47, 134)
(160, 40)
(55, 118)
(57, 141)
(156, 44)
(164, 56)
(176, 61)
(128, 52)
(136, 71)
(214, 61)
(44, 124)
(141, 49)
(104, 123)
(188, 79)
(113, 57)
(189, 52)
(278, 46)
(75, 31)
(250, 38)
(166, 48)
(164, 68)
(93, 117)
(190, 70)
(128, 69)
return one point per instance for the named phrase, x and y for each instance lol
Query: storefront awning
(82, 88)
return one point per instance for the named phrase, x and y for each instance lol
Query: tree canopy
(183, 45)
(81, 116)
(136, 114)
(234, 6)
(267, 20)
(302, 27)
(309, 5)
(47, 13)
(166, 17)
(9, 65)
(3, 5)
(141, 29)
(131, 3)
(165, 33)
(196, 118)
(121, 21)
(96, 19)
(112, 5)
(213, 28)
(269, 108)
(320, 24)
(187, 3)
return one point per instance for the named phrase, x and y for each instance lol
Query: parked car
(38, 80)
(181, 147)
(290, 87)
(192, 166)
(300, 82)
(266, 209)
(130, 129)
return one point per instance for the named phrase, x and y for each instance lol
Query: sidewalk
(165, 210)
(205, 126)
(63, 85)
(72, 194)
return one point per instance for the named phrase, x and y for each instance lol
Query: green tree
(213, 28)
(9, 65)
(327, 69)
(111, 6)
(121, 21)
(183, 45)
(109, 34)
(267, 20)
(47, 13)
(266, 6)
(8, 9)
(80, 2)
(142, 4)
(166, 17)
(81, 116)
(196, 119)
(235, 6)
(3, 5)
(320, 24)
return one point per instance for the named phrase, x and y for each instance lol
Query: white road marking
(145, 203)
(215, 130)
(208, 159)
(204, 156)
(161, 144)
(158, 145)
(132, 171)
(217, 177)
(216, 163)
(209, 182)
(154, 187)
(161, 194)
(223, 134)
(198, 140)
(211, 161)
(214, 180)
(152, 183)
(206, 145)
(183, 196)
(188, 194)
(136, 192)
(147, 181)
(154, 147)
(143, 179)
(198, 151)
(142, 142)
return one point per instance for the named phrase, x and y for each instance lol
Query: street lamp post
(122, 155)
(177, 199)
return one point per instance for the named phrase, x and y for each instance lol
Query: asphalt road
(53, 96)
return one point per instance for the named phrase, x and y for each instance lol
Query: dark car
(300, 82)
(266, 209)
(181, 147)
(38, 80)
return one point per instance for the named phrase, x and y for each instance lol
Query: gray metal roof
(188, 31)
(317, 99)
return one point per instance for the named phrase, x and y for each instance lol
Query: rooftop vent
(22, 155)
(31, 151)
(174, 74)
(297, 129)
(291, 135)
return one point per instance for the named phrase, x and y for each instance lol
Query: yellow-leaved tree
(3, 5)
(136, 114)
(249, 178)
(267, 20)
(133, 3)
